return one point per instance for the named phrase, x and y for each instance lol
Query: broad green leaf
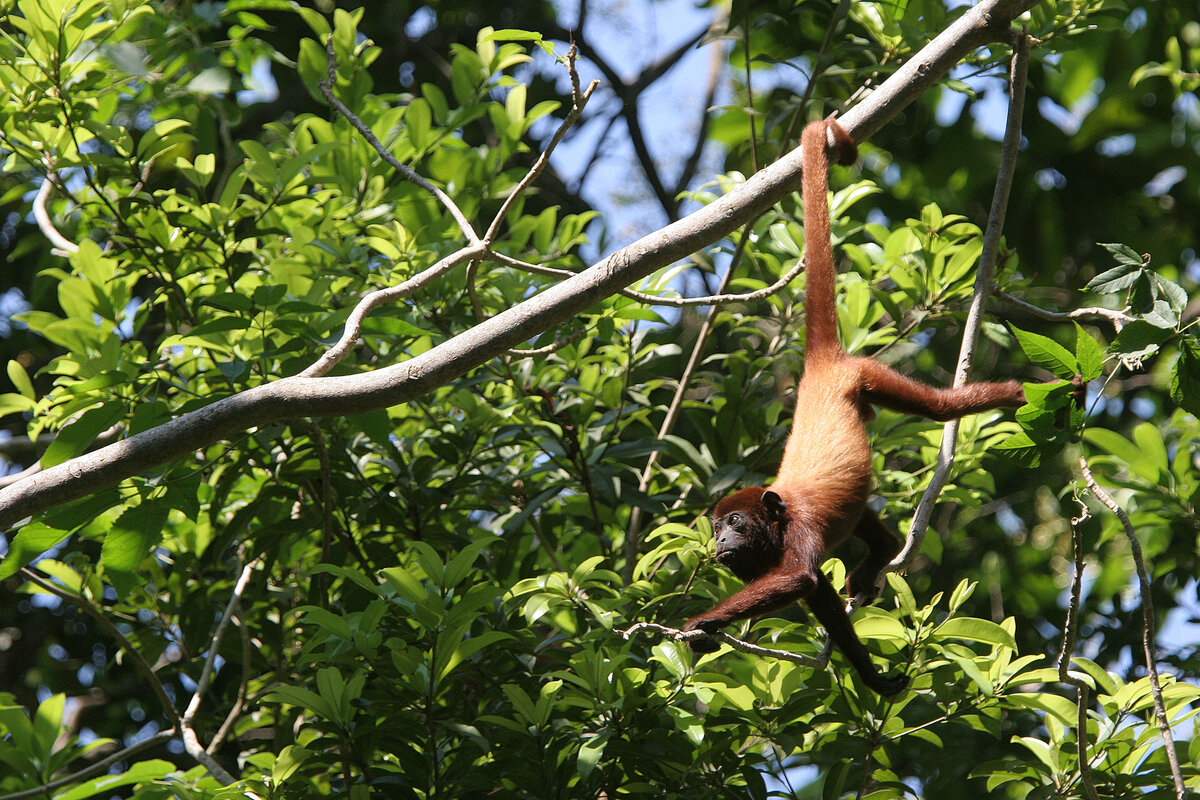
(511, 35)
(976, 630)
(1088, 355)
(590, 754)
(1123, 254)
(1139, 339)
(133, 536)
(876, 624)
(1047, 353)
(76, 437)
(1042, 751)
(30, 542)
(141, 772)
(1021, 448)
(1185, 377)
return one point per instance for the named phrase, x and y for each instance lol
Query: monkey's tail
(819, 302)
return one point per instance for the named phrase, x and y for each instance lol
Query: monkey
(774, 538)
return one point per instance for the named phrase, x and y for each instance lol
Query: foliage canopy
(423, 600)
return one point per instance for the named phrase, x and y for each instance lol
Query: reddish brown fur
(825, 475)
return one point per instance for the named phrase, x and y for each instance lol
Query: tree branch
(1119, 319)
(983, 286)
(293, 397)
(1147, 603)
(1070, 631)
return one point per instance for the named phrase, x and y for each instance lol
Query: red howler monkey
(774, 538)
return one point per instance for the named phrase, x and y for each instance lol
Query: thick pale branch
(290, 398)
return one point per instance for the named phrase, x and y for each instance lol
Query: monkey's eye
(734, 519)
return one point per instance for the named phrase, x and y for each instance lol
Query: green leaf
(1114, 280)
(418, 121)
(511, 35)
(1021, 448)
(1088, 355)
(1057, 705)
(301, 698)
(290, 759)
(76, 437)
(141, 772)
(1176, 295)
(47, 723)
(976, 630)
(590, 754)
(1139, 339)
(972, 670)
(1123, 254)
(212, 81)
(20, 379)
(872, 623)
(1047, 353)
(133, 536)
(1185, 377)
(162, 137)
(30, 542)
(1042, 751)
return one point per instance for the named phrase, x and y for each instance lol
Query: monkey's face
(748, 529)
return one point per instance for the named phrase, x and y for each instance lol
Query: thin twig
(407, 172)
(1070, 630)
(983, 284)
(1147, 603)
(732, 641)
(239, 703)
(1119, 319)
(63, 245)
(373, 300)
(578, 101)
(559, 343)
(191, 742)
(214, 644)
(657, 300)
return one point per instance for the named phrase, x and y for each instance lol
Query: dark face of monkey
(748, 528)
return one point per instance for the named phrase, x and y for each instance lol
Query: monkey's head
(748, 526)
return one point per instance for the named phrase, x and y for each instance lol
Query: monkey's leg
(882, 385)
(882, 546)
(827, 607)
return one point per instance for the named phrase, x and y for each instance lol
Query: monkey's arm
(769, 593)
(777, 590)
(882, 385)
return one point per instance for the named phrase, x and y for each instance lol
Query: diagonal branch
(406, 171)
(983, 287)
(299, 396)
(1147, 603)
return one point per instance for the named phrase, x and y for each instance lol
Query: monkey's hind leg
(882, 547)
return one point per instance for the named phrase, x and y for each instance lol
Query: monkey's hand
(704, 644)
(865, 587)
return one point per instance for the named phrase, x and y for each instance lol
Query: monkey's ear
(774, 504)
